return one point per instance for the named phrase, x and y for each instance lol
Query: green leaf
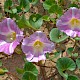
(18, 9)
(24, 5)
(29, 76)
(73, 5)
(55, 9)
(30, 67)
(14, 10)
(75, 55)
(24, 23)
(57, 36)
(20, 71)
(64, 64)
(3, 71)
(78, 62)
(33, 1)
(36, 20)
(70, 50)
(47, 55)
(72, 77)
(7, 10)
(48, 3)
(56, 54)
(16, 16)
(8, 4)
(0, 63)
(46, 18)
(77, 38)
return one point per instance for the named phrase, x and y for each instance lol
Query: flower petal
(71, 33)
(7, 48)
(32, 58)
(65, 25)
(35, 46)
(27, 49)
(48, 47)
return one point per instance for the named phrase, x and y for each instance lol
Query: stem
(43, 73)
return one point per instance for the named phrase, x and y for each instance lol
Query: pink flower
(10, 36)
(36, 46)
(69, 23)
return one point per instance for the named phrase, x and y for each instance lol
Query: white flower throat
(38, 45)
(74, 23)
(11, 36)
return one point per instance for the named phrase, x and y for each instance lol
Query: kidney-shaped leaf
(72, 77)
(33, 1)
(48, 3)
(36, 20)
(65, 64)
(30, 67)
(78, 62)
(29, 76)
(24, 5)
(57, 36)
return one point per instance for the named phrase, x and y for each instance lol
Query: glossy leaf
(30, 67)
(77, 38)
(20, 71)
(36, 20)
(46, 18)
(18, 9)
(57, 36)
(24, 23)
(47, 55)
(25, 5)
(73, 5)
(75, 55)
(70, 50)
(78, 62)
(55, 9)
(64, 64)
(21, 22)
(72, 77)
(56, 54)
(3, 71)
(29, 76)
(14, 10)
(33, 1)
(48, 3)
(8, 4)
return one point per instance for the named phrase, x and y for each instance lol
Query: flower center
(74, 23)
(38, 45)
(10, 37)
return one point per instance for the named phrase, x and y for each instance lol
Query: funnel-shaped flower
(36, 46)
(70, 22)
(10, 36)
